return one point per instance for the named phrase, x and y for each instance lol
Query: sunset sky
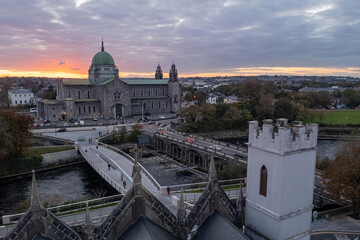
(58, 38)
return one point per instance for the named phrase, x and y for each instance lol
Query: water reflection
(75, 182)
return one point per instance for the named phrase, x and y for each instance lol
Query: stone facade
(105, 94)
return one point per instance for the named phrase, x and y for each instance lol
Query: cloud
(75, 69)
(62, 63)
(201, 36)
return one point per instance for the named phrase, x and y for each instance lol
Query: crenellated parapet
(282, 138)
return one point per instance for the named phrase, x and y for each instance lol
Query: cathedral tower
(174, 90)
(280, 179)
(158, 73)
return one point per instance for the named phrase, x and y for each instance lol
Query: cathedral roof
(102, 57)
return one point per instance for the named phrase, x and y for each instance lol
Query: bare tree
(343, 175)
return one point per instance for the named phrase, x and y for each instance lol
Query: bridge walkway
(100, 158)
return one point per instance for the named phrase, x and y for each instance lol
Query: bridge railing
(217, 142)
(202, 185)
(217, 153)
(68, 208)
(131, 159)
(114, 184)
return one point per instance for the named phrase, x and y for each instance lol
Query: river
(74, 182)
(80, 181)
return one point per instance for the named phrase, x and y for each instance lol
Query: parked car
(95, 118)
(66, 124)
(47, 124)
(190, 140)
(161, 117)
(36, 125)
(151, 122)
(46, 121)
(215, 147)
(76, 123)
(62, 130)
(72, 120)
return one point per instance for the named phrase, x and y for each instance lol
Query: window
(144, 105)
(263, 181)
(166, 104)
(159, 105)
(69, 94)
(84, 109)
(94, 109)
(15, 102)
(89, 95)
(79, 94)
(52, 108)
(20, 101)
(156, 92)
(134, 93)
(141, 92)
(163, 92)
(89, 109)
(149, 93)
(25, 101)
(79, 109)
(106, 69)
(152, 105)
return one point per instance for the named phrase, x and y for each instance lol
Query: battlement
(281, 137)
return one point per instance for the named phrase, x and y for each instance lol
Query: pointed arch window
(263, 181)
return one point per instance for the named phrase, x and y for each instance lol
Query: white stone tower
(280, 179)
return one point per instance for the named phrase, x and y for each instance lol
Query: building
(20, 96)
(212, 100)
(105, 94)
(280, 179)
(231, 99)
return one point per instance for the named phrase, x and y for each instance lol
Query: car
(157, 124)
(95, 118)
(76, 123)
(215, 147)
(66, 124)
(72, 120)
(62, 130)
(42, 125)
(241, 155)
(163, 125)
(47, 125)
(151, 122)
(161, 117)
(36, 125)
(190, 140)
(46, 121)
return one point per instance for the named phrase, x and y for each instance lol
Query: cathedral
(107, 96)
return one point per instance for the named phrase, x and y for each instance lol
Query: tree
(350, 98)
(250, 88)
(284, 108)
(269, 87)
(265, 108)
(14, 132)
(342, 177)
(200, 97)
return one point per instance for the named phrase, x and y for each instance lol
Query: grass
(341, 117)
(30, 152)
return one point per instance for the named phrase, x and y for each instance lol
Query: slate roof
(218, 227)
(145, 229)
(20, 91)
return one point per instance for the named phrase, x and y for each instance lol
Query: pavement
(340, 227)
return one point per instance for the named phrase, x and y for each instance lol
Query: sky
(58, 38)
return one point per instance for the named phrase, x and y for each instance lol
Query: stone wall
(58, 158)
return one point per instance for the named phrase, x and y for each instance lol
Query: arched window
(263, 181)
(94, 109)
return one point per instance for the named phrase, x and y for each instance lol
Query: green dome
(102, 58)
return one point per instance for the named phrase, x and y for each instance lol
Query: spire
(212, 170)
(35, 197)
(181, 214)
(102, 45)
(173, 75)
(88, 227)
(158, 72)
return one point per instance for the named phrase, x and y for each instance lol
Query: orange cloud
(54, 70)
